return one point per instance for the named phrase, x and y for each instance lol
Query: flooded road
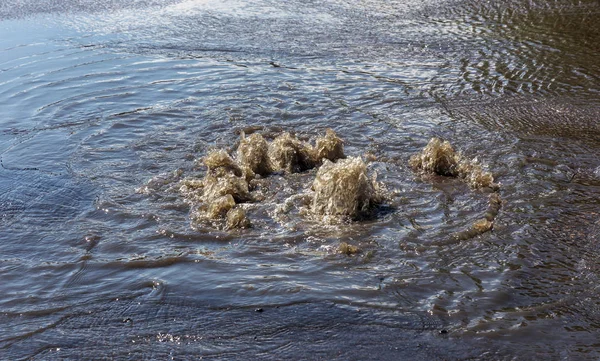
(108, 107)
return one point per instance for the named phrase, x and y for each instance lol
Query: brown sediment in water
(344, 190)
(253, 153)
(478, 227)
(481, 225)
(439, 157)
(291, 155)
(494, 205)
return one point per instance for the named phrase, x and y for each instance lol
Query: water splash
(343, 190)
(439, 157)
(253, 154)
(291, 155)
(229, 182)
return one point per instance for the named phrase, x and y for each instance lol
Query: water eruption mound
(219, 207)
(236, 218)
(344, 190)
(288, 153)
(439, 157)
(291, 155)
(253, 154)
(475, 176)
(229, 182)
(218, 161)
(329, 147)
(223, 186)
(347, 249)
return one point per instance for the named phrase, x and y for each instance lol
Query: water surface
(101, 99)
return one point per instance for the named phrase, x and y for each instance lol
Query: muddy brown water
(101, 101)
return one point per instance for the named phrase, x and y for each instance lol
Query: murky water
(106, 106)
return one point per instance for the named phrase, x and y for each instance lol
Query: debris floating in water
(439, 157)
(343, 190)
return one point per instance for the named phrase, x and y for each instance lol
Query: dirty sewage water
(350, 179)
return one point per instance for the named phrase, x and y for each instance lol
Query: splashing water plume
(291, 155)
(230, 181)
(253, 154)
(329, 147)
(236, 218)
(348, 249)
(343, 190)
(475, 176)
(219, 207)
(218, 161)
(439, 157)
